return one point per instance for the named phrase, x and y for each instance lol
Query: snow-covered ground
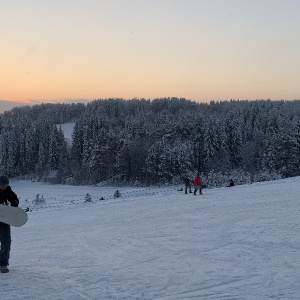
(68, 129)
(156, 243)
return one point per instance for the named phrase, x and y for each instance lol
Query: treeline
(140, 141)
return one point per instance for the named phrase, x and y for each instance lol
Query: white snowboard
(13, 216)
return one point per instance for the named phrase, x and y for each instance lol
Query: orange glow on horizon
(195, 50)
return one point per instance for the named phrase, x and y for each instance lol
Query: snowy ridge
(157, 243)
(127, 194)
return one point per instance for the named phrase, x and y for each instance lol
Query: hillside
(143, 142)
(157, 243)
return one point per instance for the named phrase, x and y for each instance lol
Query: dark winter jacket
(8, 195)
(187, 181)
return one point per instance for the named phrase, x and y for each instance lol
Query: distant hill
(6, 105)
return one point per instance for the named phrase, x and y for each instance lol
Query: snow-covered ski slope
(157, 243)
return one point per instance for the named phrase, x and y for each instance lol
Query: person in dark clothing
(188, 184)
(231, 183)
(7, 197)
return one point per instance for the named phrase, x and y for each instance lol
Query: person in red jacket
(198, 184)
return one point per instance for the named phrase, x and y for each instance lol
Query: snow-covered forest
(142, 141)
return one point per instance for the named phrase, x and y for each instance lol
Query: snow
(68, 129)
(232, 243)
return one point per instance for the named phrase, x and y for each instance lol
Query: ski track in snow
(156, 243)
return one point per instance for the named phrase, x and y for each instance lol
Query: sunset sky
(77, 50)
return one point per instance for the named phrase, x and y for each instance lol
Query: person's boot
(4, 269)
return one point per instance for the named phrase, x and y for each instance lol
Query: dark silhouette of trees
(147, 142)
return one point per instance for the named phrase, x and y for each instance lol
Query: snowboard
(13, 216)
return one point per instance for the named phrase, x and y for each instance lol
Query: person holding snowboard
(198, 184)
(7, 197)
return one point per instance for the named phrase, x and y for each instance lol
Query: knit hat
(4, 180)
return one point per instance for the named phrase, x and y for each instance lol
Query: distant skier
(7, 196)
(198, 184)
(117, 194)
(231, 183)
(188, 183)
